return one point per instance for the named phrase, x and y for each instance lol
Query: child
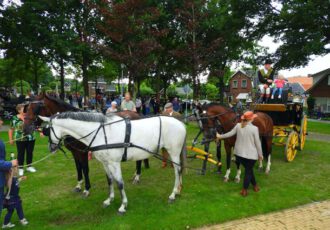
(5, 166)
(13, 201)
(279, 83)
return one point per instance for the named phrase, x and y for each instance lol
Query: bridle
(36, 112)
(217, 125)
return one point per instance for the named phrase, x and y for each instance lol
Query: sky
(317, 64)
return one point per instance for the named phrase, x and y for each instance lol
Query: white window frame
(244, 86)
(233, 86)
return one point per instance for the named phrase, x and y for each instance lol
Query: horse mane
(61, 103)
(83, 116)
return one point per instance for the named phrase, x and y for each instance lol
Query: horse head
(31, 119)
(204, 123)
(53, 134)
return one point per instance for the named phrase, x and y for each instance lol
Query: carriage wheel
(303, 132)
(291, 146)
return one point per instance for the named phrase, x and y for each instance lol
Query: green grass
(49, 202)
(318, 127)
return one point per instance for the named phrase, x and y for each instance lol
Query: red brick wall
(239, 77)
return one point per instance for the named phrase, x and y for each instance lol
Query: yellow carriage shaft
(203, 155)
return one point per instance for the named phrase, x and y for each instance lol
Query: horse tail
(264, 146)
(183, 155)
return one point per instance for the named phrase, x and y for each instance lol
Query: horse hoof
(260, 169)
(226, 179)
(120, 213)
(267, 172)
(77, 190)
(237, 180)
(135, 181)
(171, 201)
(85, 194)
(219, 172)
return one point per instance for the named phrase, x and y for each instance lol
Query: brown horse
(217, 118)
(46, 105)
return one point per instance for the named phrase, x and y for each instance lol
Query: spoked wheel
(303, 133)
(291, 146)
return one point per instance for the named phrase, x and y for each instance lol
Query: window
(244, 83)
(234, 84)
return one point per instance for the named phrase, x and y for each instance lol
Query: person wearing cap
(266, 77)
(247, 148)
(168, 111)
(113, 108)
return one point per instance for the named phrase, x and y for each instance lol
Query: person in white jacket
(247, 148)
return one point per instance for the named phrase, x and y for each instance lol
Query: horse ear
(47, 119)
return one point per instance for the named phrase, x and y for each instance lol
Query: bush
(310, 105)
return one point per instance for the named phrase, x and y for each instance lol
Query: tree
(231, 28)
(128, 34)
(303, 29)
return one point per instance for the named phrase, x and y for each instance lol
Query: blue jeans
(279, 92)
(1, 199)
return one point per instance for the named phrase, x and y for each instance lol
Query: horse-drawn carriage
(290, 125)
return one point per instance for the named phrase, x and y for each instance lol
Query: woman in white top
(112, 109)
(247, 148)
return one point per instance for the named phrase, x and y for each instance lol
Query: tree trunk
(85, 79)
(62, 77)
(165, 87)
(22, 86)
(36, 77)
(130, 79)
(138, 84)
(221, 87)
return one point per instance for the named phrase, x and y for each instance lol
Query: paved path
(321, 121)
(310, 216)
(318, 136)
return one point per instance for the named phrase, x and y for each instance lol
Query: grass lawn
(318, 127)
(49, 202)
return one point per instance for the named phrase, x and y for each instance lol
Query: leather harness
(126, 144)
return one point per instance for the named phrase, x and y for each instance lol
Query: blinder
(46, 131)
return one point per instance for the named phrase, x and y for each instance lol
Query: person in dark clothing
(79, 100)
(5, 166)
(13, 201)
(24, 141)
(266, 77)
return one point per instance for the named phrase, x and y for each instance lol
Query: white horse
(106, 135)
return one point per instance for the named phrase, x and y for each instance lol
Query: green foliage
(146, 90)
(310, 104)
(171, 92)
(303, 29)
(24, 85)
(211, 91)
